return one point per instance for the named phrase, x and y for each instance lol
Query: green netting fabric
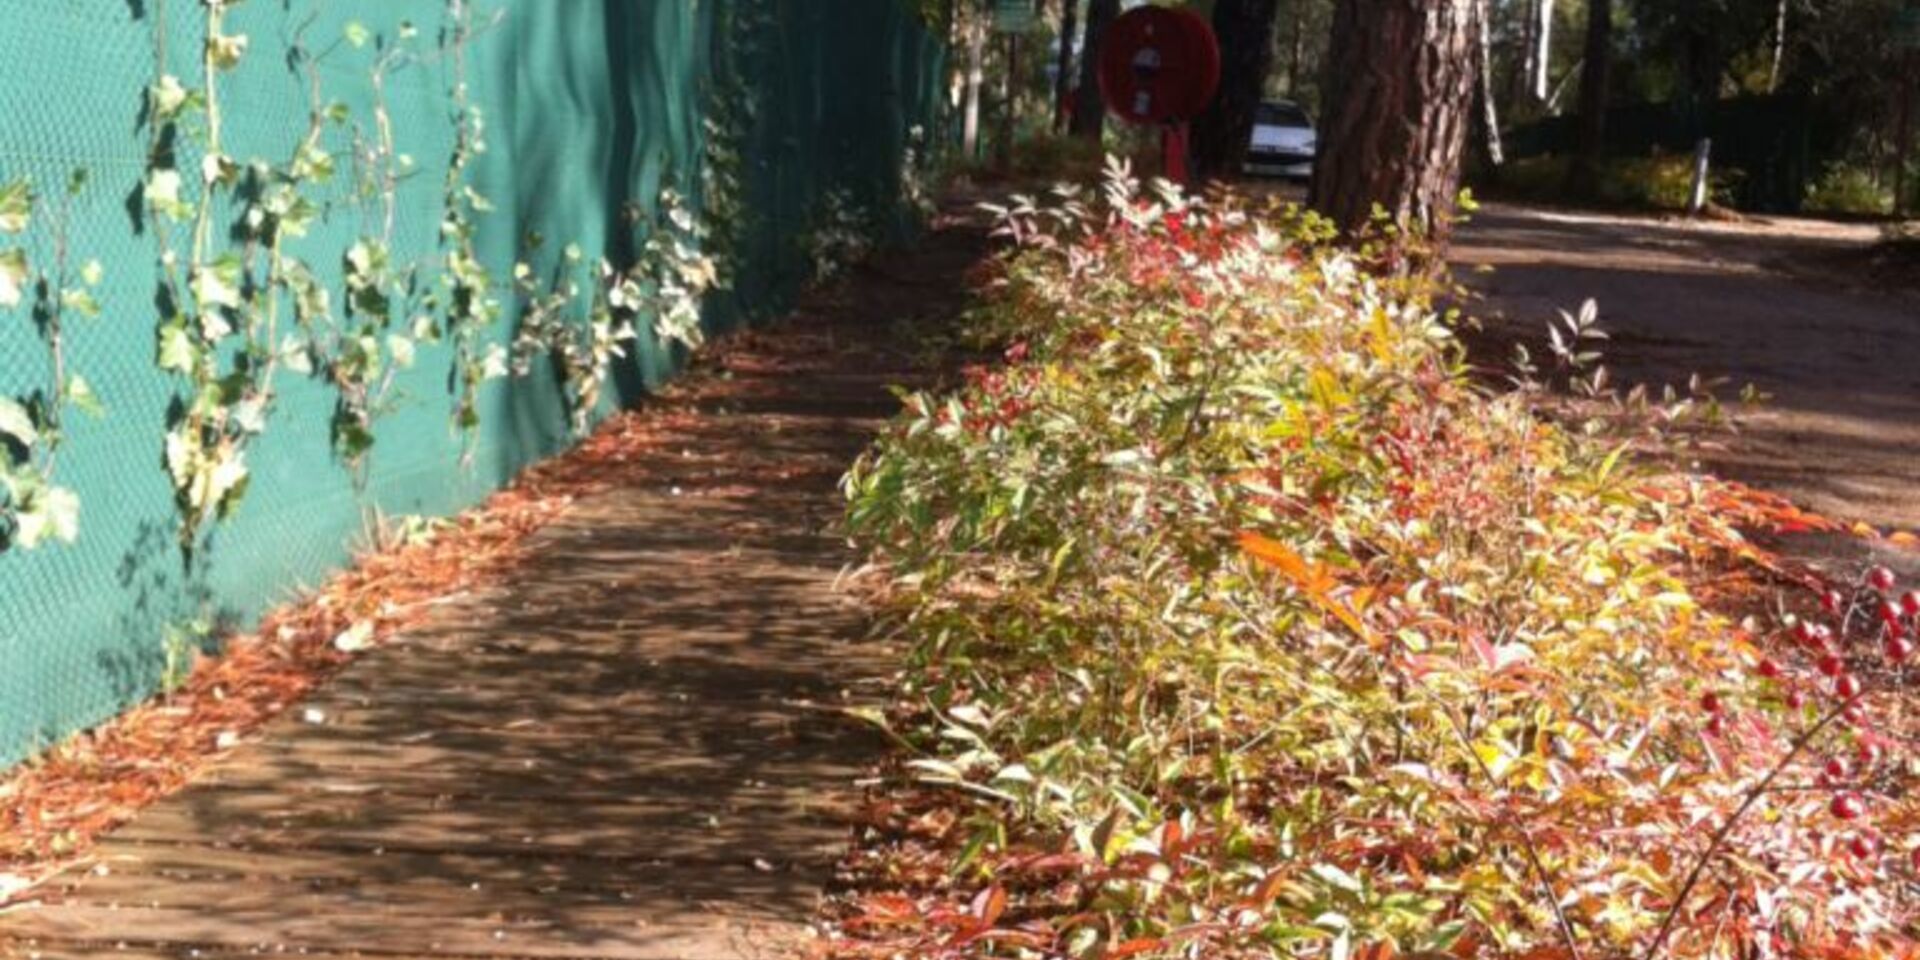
(766, 114)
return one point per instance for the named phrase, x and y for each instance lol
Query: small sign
(1013, 16)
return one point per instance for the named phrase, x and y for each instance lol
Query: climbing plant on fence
(335, 260)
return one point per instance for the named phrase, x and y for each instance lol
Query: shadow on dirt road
(1841, 361)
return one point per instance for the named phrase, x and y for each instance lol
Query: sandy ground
(1755, 302)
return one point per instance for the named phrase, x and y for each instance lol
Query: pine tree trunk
(1400, 82)
(1089, 108)
(1220, 135)
(1583, 175)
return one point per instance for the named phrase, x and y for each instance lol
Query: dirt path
(637, 750)
(1841, 361)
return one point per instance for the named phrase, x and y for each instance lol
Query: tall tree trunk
(1220, 135)
(1779, 47)
(1596, 75)
(1063, 62)
(976, 33)
(1489, 106)
(1543, 50)
(1399, 95)
(1297, 47)
(1089, 108)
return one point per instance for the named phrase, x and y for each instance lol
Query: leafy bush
(1247, 625)
(1657, 182)
(1849, 190)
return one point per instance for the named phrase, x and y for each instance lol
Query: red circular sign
(1159, 65)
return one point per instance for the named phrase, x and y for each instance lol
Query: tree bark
(1069, 21)
(1089, 108)
(976, 70)
(1400, 81)
(1220, 134)
(1583, 174)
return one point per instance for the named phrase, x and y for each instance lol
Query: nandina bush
(1245, 624)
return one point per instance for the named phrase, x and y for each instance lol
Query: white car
(1283, 141)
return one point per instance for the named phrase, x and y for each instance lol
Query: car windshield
(1281, 115)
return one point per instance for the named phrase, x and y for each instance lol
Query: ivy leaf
(16, 206)
(177, 351)
(169, 96)
(13, 277)
(50, 513)
(401, 349)
(17, 422)
(357, 33)
(226, 51)
(163, 194)
(295, 355)
(92, 273)
(80, 393)
(80, 301)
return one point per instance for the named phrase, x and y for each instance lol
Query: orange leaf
(1312, 581)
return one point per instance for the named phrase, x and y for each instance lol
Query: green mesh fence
(592, 109)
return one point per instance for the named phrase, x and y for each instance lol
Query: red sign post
(1160, 66)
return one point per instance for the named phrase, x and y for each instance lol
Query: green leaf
(50, 513)
(401, 349)
(177, 350)
(17, 422)
(358, 34)
(80, 302)
(80, 394)
(92, 273)
(16, 206)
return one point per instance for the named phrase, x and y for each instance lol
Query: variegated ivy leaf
(80, 394)
(13, 277)
(169, 97)
(218, 284)
(16, 206)
(251, 415)
(163, 194)
(401, 349)
(296, 355)
(80, 301)
(177, 351)
(496, 362)
(357, 33)
(92, 273)
(46, 513)
(17, 422)
(226, 51)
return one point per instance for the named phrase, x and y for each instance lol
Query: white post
(1543, 54)
(1702, 160)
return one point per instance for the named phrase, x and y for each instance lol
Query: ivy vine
(34, 509)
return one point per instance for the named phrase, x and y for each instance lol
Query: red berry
(1889, 612)
(1836, 769)
(1862, 846)
(1717, 725)
(1769, 669)
(1880, 578)
(1832, 600)
(1899, 649)
(1848, 686)
(1854, 716)
(1831, 665)
(1796, 699)
(1710, 702)
(1915, 855)
(1910, 602)
(1805, 633)
(1847, 806)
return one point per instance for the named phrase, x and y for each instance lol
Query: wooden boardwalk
(634, 750)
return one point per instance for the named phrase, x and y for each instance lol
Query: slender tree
(1069, 22)
(1583, 174)
(1399, 100)
(1089, 108)
(1245, 29)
